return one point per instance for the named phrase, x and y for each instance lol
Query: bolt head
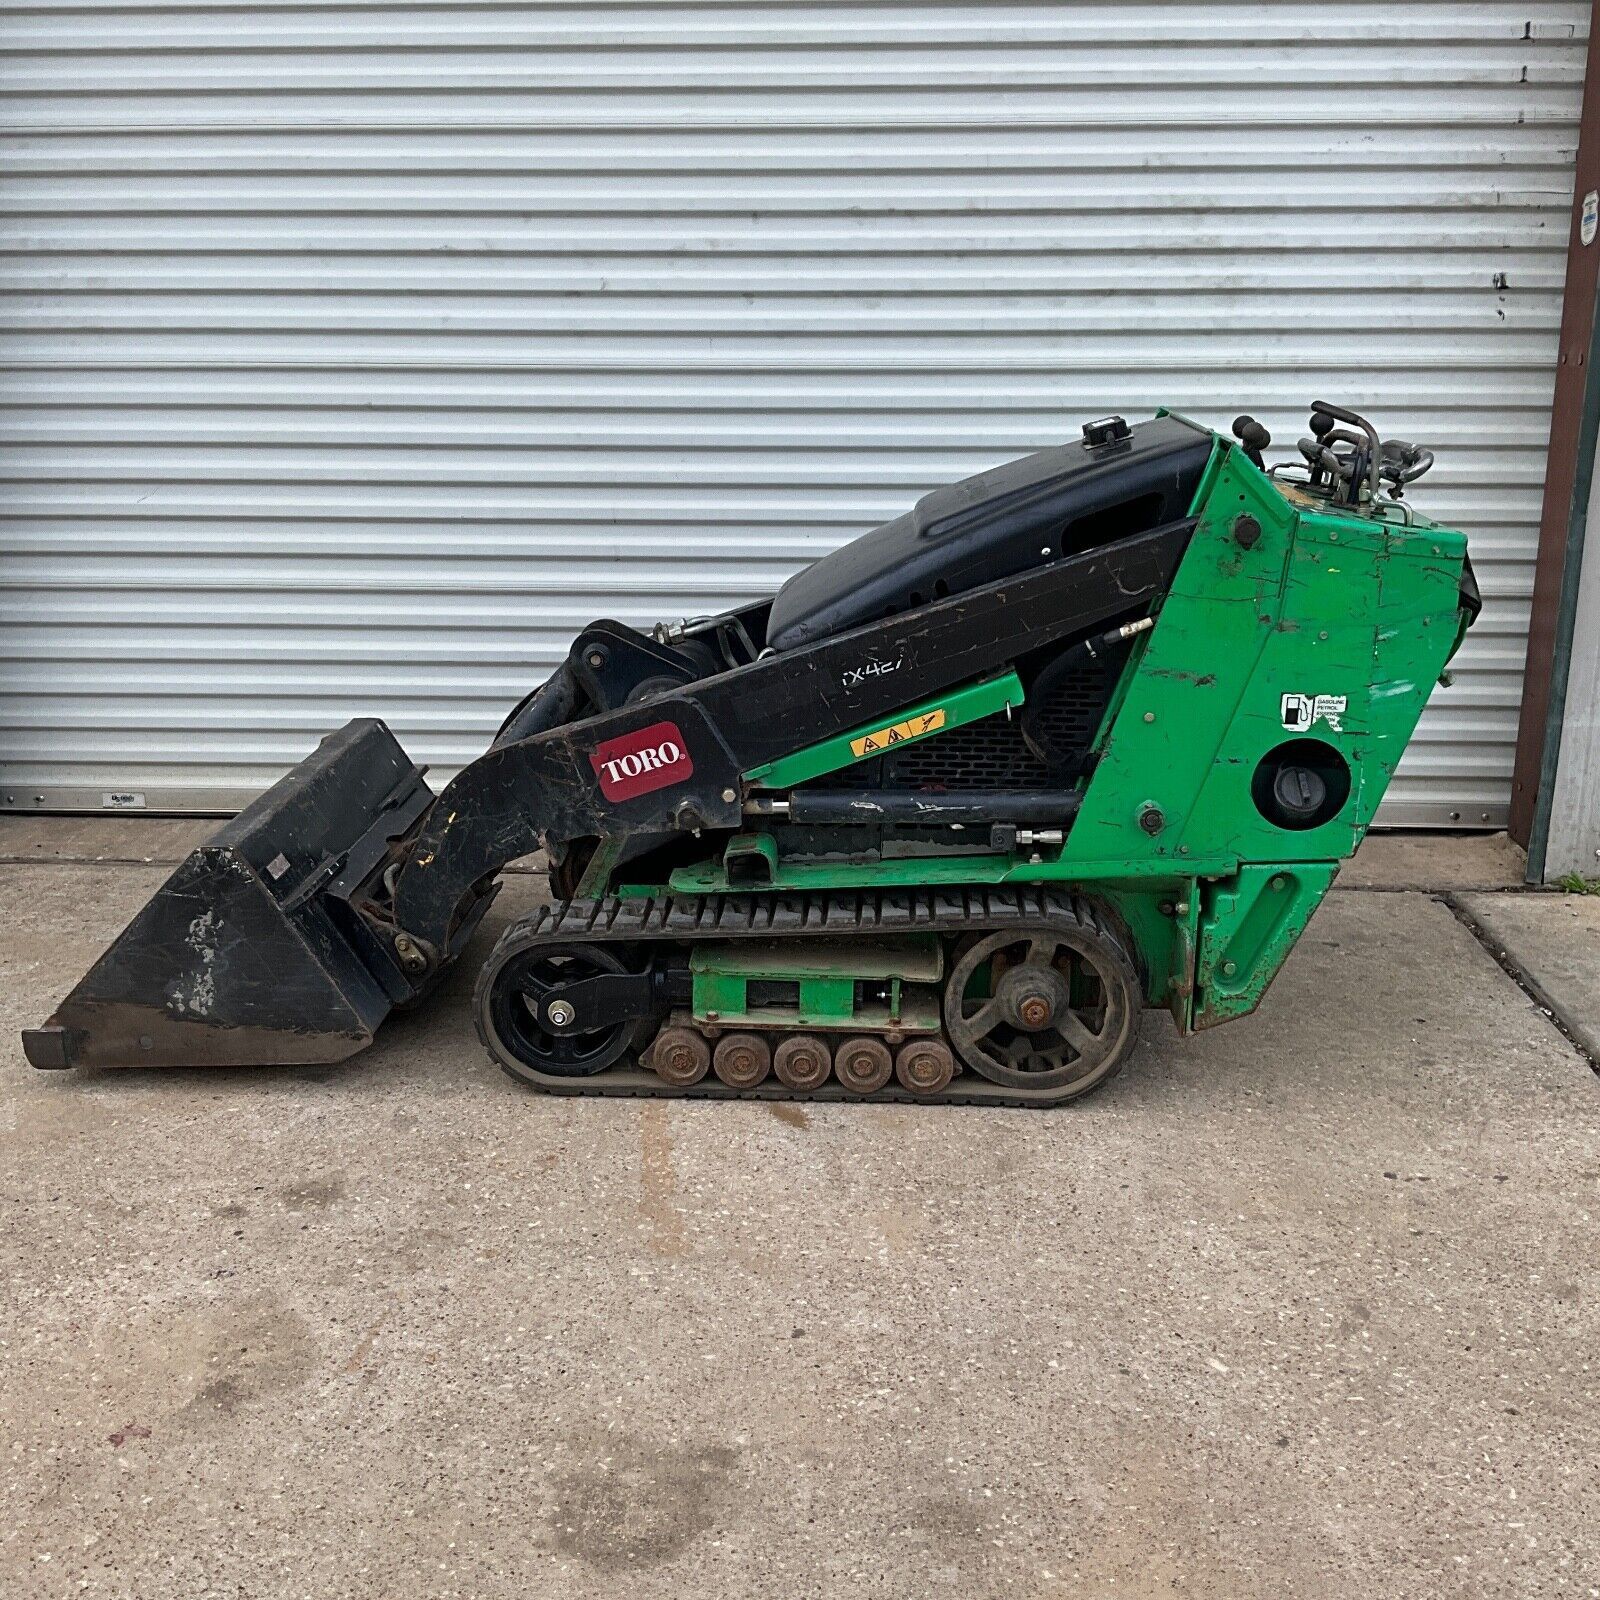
(730, 795)
(560, 1012)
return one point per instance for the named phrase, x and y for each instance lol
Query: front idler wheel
(1045, 1010)
(529, 1028)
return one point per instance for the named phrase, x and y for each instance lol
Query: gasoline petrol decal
(1301, 712)
(642, 761)
(874, 744)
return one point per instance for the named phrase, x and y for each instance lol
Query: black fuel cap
(1107, 430)
(1300, 792)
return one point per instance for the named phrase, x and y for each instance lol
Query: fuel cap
(1300, 792)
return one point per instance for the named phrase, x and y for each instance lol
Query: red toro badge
(642, 761)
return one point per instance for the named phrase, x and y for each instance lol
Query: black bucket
(253, 952)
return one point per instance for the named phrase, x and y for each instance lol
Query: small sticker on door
(1590, 218)
(122, 800)
(1301, 712)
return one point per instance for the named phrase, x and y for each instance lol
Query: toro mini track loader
(1087, 733)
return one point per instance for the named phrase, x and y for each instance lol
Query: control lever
(1253, 437)
(1404, 463)
(1323, 416)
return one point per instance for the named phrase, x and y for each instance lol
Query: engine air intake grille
(991, 753)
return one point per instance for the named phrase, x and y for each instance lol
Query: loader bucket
(251, 953)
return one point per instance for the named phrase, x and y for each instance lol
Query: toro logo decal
(642, 761)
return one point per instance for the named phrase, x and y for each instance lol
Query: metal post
(1570, 459)
(1566, 838)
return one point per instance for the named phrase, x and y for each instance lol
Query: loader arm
(554, 784)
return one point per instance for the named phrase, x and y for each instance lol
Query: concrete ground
(1306, 1306)
(1553, 942)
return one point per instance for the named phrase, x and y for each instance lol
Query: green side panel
(718, 994)
(1248, 926)
(1356, 614)
(827, 999)
(724, 997)
(952, 709)
(1220, 449)
(1151, 914)
(915, 957)
(826, 975)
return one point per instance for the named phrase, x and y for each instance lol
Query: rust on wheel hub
(802, 1062)
(863, 1065)
(1032, 997)
(680, 1057)
(742, 1060)
(925, 1066)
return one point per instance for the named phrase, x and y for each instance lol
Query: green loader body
(1296, 630)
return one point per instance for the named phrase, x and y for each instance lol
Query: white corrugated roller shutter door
(357, 354)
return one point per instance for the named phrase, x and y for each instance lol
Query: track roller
(742, 1060)
(680, 1057)
(924, 1066)
(863, 1064)
(802, 1062)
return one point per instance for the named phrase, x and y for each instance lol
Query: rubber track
(686, 918)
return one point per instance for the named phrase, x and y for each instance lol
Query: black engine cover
(1012, 519)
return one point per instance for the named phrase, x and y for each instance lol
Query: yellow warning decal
(874, 744)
